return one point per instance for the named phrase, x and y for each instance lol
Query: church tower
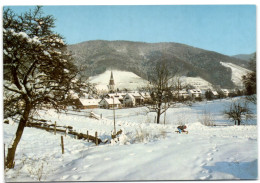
(111, 86)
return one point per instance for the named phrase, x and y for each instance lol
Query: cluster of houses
(131, 99)
(200, 94)
(114, 100)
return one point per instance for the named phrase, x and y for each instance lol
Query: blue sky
(227, 29)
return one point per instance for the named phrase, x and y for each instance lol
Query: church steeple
(111, 85)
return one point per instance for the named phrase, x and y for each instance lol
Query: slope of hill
(237, 73)
(123, 80)
(139, 58)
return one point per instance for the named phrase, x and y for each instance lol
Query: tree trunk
(158, 113)
(19, 132)
(238, 122)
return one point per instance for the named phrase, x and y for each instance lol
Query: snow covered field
(145, 150)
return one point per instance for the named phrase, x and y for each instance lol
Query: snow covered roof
(135, 95)
(145, 94)
(117, 95)
(195, 91)
(89, 102)
(111, 102)
(183, 92)
(130, 96)
(225, 90)
(214, 92)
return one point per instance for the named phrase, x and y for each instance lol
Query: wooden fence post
(96, 138)
(55, 128)
(4, 157)
(87, 136)
(62, 145)
(66, 131)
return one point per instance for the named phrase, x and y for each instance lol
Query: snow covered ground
(145, 150)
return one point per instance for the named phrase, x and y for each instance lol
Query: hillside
(237, 73)
(123, 80)
(139, 58)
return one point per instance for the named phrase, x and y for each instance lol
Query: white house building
(109, 103)
(195, 93)
(226, 92)
(129, 100)
(88, 103)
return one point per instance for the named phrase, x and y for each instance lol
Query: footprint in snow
(206, 171)
(149, 151)
(74, 169)
(203, 164)
(206, 177)
(64, 177)
(210, 154)
(76, 177)
(86, 166)
(210, 159)
(132, 154)
(106, 159)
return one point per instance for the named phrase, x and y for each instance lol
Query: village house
(146, 96)
(129, 100)
(225, 92)
(195, 93)
(87, 103)
(214, 94)
(109, 103)
(182, 94)
(119, 96)
(138, 98)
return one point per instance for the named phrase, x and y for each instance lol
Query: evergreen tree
(249, 80)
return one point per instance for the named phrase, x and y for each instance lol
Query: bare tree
(38, 70)
(236, 112)
(160, 88)
(178, 85)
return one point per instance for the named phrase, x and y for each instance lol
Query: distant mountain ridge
(140, 57)
(245, 57)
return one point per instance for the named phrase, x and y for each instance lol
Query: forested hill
(246, 57)
(139, 57)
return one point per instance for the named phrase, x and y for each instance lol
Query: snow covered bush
(207, 119)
